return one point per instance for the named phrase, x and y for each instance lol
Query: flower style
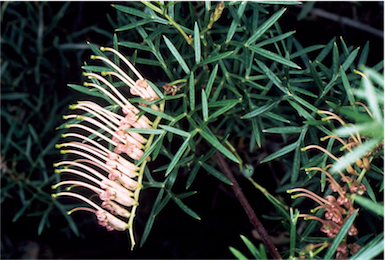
(104, 152)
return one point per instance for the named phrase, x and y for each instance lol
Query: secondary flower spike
(101, 150)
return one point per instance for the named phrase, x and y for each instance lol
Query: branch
(249, 211)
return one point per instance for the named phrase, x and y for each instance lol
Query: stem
(249, 211)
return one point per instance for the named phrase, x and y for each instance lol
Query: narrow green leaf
(134, 45)
(13, 96)
(273, 56)
(264, 27)
(134, 25)
(253, 250)
(157, 113)
(184, 207)
(90, 91)
(197, 44)
(272, 76)
(346, 84)
(145, 131)
(205, 110)
(43, 220)
(216, 173)
(322, 55)
(237, 254)
(293, 231)
(211, 80)
(192, 91)
(132, 11)
(177, 156)
(274, 39)
(285, 150)
(175, 130)
(70, 221)
(176, 55)
(151, 218)
(369, 204)
(222, 110)
(260, 110)
(340, 236)
(284, 130)
(192, 175)
(336, 59)
(214, 142)
(364, 55)
(306, 50)
(217, 57)
(236, 21)
(315, 76)
(349, 60)
(156, 89)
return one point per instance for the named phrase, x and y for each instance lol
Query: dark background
(174, 234)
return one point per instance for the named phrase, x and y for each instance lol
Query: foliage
(247, 80)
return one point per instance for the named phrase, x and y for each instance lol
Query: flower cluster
(338, 207)
(103, 152)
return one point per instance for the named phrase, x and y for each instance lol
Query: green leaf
(157, 113)
(216, 173)
(274, 39)
(192, 91)
(134, 25)
(132, 11)
(177, 156)
(175, 130)
(376, 208)
(272, 76)
(216, 57)
(222, 110)
(237, 254)
(264, 27)
(315, 76)
(253, 250)
(184, 207)
(90, 91)
(214, 142)
(371, 249)
(13, 96)
(134, 45)
(205, 110)
(273, 56)
(284, 130)
(151, 218)
(306, 50)
(349, 60)
(236, 21)
(340, 236)
(197, 44)
(211, 80)
(336, 59)
(293, 231)
(176, 54)
(260, 110)
(285, 150)
(346, 84)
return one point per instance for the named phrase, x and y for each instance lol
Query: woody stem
(249, 211)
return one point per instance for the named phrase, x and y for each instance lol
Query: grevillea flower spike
(103, 153)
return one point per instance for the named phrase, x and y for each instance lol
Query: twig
(347, 21)
(249, 211)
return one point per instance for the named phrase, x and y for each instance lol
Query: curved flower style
(102, 152)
